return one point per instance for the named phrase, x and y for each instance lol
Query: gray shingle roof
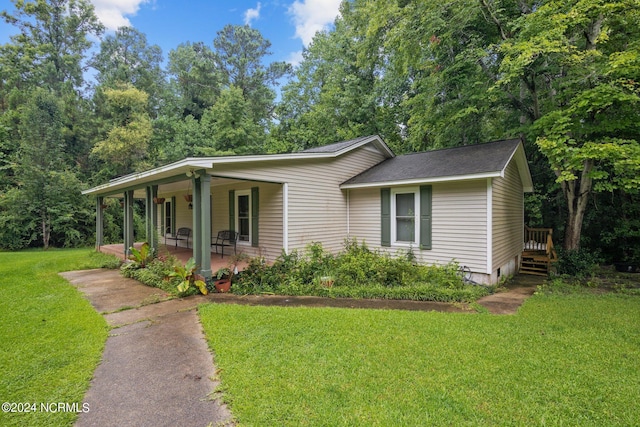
(333, 148)
(450, 162)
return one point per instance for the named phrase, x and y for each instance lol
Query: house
(464, 204)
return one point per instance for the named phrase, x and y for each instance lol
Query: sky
(288, 24)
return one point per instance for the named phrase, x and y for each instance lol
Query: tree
(52, 42)
(126, 57)
(128, 130)
(195, 77)
(341, 88)
(579, 63)
(231, 127)
(239, 53)
(47, 203)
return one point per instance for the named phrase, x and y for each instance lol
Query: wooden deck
(538, 254)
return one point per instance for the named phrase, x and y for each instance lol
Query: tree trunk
(576, 194)
(46, 232)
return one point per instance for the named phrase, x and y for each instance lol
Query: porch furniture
(226, 238)
(184, 233)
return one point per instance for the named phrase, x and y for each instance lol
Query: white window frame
(394, 223)
(238, 194)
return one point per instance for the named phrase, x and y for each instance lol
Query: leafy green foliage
(188, 277)
(356, 272)
(128, 135)
(579, 263)
(141, 256)
(157, 273)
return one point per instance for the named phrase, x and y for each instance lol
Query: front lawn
(51, 339)
(562, 360)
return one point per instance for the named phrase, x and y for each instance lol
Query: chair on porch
(184, 233)
(226, 238)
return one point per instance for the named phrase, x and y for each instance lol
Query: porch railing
(540, 239)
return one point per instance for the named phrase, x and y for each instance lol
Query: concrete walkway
(156, 368)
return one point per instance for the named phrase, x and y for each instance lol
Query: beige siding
(459, 227)
(508, 218)
(317, 206)
(270, 216)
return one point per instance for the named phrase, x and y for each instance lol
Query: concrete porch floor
(181, 253)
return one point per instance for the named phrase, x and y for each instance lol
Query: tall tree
(47, 191)
(128, 131)
(53, 41)
(341, 89)
(195, 77)
(126, 57)
(239, 56)
(578, 62)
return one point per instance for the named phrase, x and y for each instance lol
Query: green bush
(357, 272)
(580, 263)
(155, 273)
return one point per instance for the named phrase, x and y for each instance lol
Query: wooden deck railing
(542, 239)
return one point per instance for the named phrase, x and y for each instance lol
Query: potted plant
(225, 274)
(158, 200)
(223, 284)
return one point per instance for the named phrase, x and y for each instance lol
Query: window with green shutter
(406, 216)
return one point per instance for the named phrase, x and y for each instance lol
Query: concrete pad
(519, 289)
(155, 373)
(153, 311)
(108, 291)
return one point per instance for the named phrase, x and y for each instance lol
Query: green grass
(51, 339)
(562, 360)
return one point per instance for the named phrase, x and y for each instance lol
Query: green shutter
(255, 211)
(232, 214)
(385, 218)
(173, 215)
(425, 216)
(162, 220)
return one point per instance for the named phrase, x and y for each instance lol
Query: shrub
(356, 272)
(156, 273)
(580, 263)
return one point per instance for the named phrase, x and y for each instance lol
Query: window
(406, 216)
(243, 216)
(405, 211)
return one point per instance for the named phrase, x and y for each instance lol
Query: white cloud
(295, 58)
(252, 14)
(113, 13)
(311, 16)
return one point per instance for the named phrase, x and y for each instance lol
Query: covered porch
(187, 195)
(182, 254)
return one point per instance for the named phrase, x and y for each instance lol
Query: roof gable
(466, 162)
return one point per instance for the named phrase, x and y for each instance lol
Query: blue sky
(287, 24)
